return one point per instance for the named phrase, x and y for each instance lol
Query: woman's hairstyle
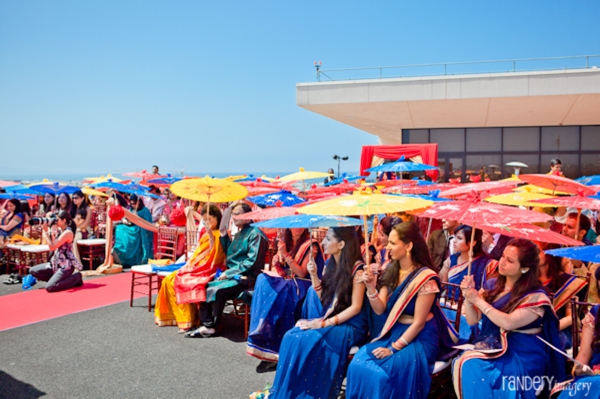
(387, 223)
(213, 211)
(554, 272)
(82, 212)
(136, 202)
(17, 205)
(555, 161)
(288, 239)
(45, 207)
(467, 232)
(25, 208)
(85, 203)
(419, 254)
(337, 280)
(62, 214)
(246, 208)
(529, 258)
(69, 204)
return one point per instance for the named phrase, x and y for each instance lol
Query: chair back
(98, 222)
(191, 241)
(166, 243)
(578, 312)
(452, 298)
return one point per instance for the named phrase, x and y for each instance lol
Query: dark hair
(153, 189)
(337, 280)
(81, 212)
(136, 203)
(596, 339)
(554, 272)
(408, 232)
(85, 203)
(288, 239)
(467, 232)
(18, 209)
(529, 257)
(246, 208)
(387, 223)
(62, 214)
(584, 221)
(69, 203)
(155, 166)
(213, 211)
(25, 208)
(555, 161)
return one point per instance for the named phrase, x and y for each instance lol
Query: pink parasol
(492, 186)
(144, 175)
(557, 183)
(268, 213)
(337, 189)
(6, 183)
(532, 232)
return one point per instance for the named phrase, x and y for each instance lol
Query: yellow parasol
(234, 177)
(365, 203)
(207, 189)
(101, 179)
(520, 198)
(540, 190)
(91, 191)
(302, 175)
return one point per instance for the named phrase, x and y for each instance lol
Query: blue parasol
(308, 222)
(343, 178)
(589, 180)
(54, 188)
(130, 188)
(15, 195)
(21, 190)
(279, 198)
(433, 196)
(402, 166)
(587, 253)
(164, 180)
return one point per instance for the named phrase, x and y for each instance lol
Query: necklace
(405, 273)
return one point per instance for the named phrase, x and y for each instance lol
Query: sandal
(194, 334)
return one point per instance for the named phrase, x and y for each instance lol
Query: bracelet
(487, 309)
(403, 341)
(288, 259)
(322, 323)
(336, 320)
(317, 288)
(372, 296)
(392, 349)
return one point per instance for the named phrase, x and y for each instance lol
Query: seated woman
(48, 205)
(12, 221)
(562, 287)
(134, 245)
(61, 272)
(515, 310)
(279, 294)
(314, 355)
(587, 378)
(182, 289)
(400, 360)
(456, 267)
(82, 219)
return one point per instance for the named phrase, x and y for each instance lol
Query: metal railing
(455, 68)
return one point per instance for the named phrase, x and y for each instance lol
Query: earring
(408, 253)
(524, 271)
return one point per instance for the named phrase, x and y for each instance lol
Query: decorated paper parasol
(162, 181)
(364, 203)
(308, 222)
(533, 233)
(557, 183)
(268, 214)
(589, 180)
(302, 175)
(520, 198)
(284, 197)
(478, 187)
(208, 189)
(91, 191)
(587, 253)
(53, 188)
(103, 178)
(6, 183)
(343, 179)
(576, 201)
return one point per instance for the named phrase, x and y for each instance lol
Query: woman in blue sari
(587, 378)
(456, 267)
(514, 309)
(400, 360)
(278, 295)
(314, 355)
(133, 244)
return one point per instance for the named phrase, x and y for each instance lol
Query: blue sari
(406, 373)
(482, 268)
(587, 387)
(477, 375)
(133, 244)
(312, 363)
(274, 307)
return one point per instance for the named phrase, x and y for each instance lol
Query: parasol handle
(577, 226)
(428, 229)
(366, 233)
(471, 249)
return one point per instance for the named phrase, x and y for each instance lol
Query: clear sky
(99, 87)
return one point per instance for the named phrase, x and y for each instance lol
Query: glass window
(590, 164)
(522, 139)
(489, 163)
(484, 139)
(531, 160)
(560, 138)
(570, 164)
(417, 136)
(590, 138)
(449, 140)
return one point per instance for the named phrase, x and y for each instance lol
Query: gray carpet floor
(118, 352)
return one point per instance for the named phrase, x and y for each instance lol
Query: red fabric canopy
(429, 153)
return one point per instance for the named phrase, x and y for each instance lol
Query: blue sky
(97, 87)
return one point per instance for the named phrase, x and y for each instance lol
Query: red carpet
(30, 307)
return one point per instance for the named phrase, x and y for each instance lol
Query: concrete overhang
(384, 107)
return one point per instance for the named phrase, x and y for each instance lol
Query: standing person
(83, 220)
(399, 360)
(181, 290)
(155, 170)
(314, 355)
(331, 176)
(279, 294)
(556, 167)
(245, 258)
(62, 272)
(440, 242)
(514, 309)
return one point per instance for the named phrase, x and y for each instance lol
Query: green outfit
(133, 244)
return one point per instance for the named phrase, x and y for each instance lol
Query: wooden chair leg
(132, 285)
(149, 293)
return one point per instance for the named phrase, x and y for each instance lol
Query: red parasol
(268, 213)
(5, 183)
(144, 175)
(492, 186)
(533, 233)
(557, 183)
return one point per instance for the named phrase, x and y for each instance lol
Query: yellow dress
(182, 289)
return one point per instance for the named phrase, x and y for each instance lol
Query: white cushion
(92, 241)
(143, 269)
(35, 248)
(353, 350)
(14, 246)
(440, 366)
(163, 274)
